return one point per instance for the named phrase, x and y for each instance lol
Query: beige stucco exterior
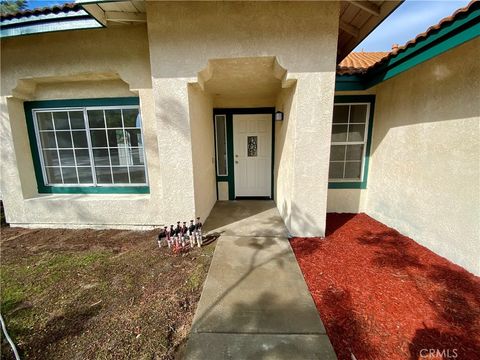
(83, 64)
(424, 161)
(424, 167)
(225, 30)
(166, 62)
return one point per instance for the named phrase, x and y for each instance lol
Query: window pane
(131, 118)
(137, 156)
(61, 120)
(69, 175)
(123, 156)
(353, 170)
(114, 158)
(337, 152)
(221, 142)
(83, 157)
(64, 139)
(358, 114)
(339, 133)
(50, 157)
(45, 120)
(100, 157)
(356, 132)
(48, 140)
(80, 139)
(53, 175)
(76, 120)
(99, 138)
(137, 175)
(354, 152)
(114, 118)
(115, 138)
(133, 137)
(85, 175)
(120, 175)
(66, 157)
(114, 143)
(336, 170)
(340, 114)
(95, 118)
(104, 175)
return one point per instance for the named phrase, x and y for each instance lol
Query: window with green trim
(90, 146)
(349, 141)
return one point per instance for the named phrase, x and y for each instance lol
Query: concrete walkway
(255, 303)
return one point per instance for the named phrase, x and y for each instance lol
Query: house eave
(43, 23)
(462, 29)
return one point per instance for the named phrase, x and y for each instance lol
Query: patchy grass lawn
(90, 294)
(383, 296)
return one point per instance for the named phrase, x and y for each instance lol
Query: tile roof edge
(410, 43)
(67, 7)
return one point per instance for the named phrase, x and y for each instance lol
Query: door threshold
(253, 198)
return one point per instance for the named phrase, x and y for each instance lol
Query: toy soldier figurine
(198, 231)
(161, 236)
(191, 233)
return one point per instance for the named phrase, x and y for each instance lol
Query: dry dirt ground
(97, 294)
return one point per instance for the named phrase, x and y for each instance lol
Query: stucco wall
(346, 200)
(203, 150)
(424, 169)
(78, 64)
(158, 61)
(284, 154)
(301, 35)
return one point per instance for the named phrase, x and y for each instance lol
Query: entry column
(313, 110)
(175, 147)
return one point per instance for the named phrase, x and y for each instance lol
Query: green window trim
(29, 106)
(339, 99)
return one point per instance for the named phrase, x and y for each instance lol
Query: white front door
(252, 151)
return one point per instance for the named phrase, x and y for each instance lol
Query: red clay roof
(42, 11)
(355, 63)
(358, 62)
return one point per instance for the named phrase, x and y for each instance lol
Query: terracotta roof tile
(359, 62)
(355, 64)
(42, 11)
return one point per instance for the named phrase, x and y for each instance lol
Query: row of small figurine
(180, 237)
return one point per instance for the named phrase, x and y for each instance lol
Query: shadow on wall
(170, 108)
(297, 217)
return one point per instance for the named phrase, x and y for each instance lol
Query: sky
(32, 4)
(407, 21)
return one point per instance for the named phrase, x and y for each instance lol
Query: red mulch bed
(383, 296)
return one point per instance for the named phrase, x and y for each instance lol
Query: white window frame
(364, 142)
(84, 109)
(226, 144)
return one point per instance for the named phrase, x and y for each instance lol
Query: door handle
(236, 162)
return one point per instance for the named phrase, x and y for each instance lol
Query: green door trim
(229, 112)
